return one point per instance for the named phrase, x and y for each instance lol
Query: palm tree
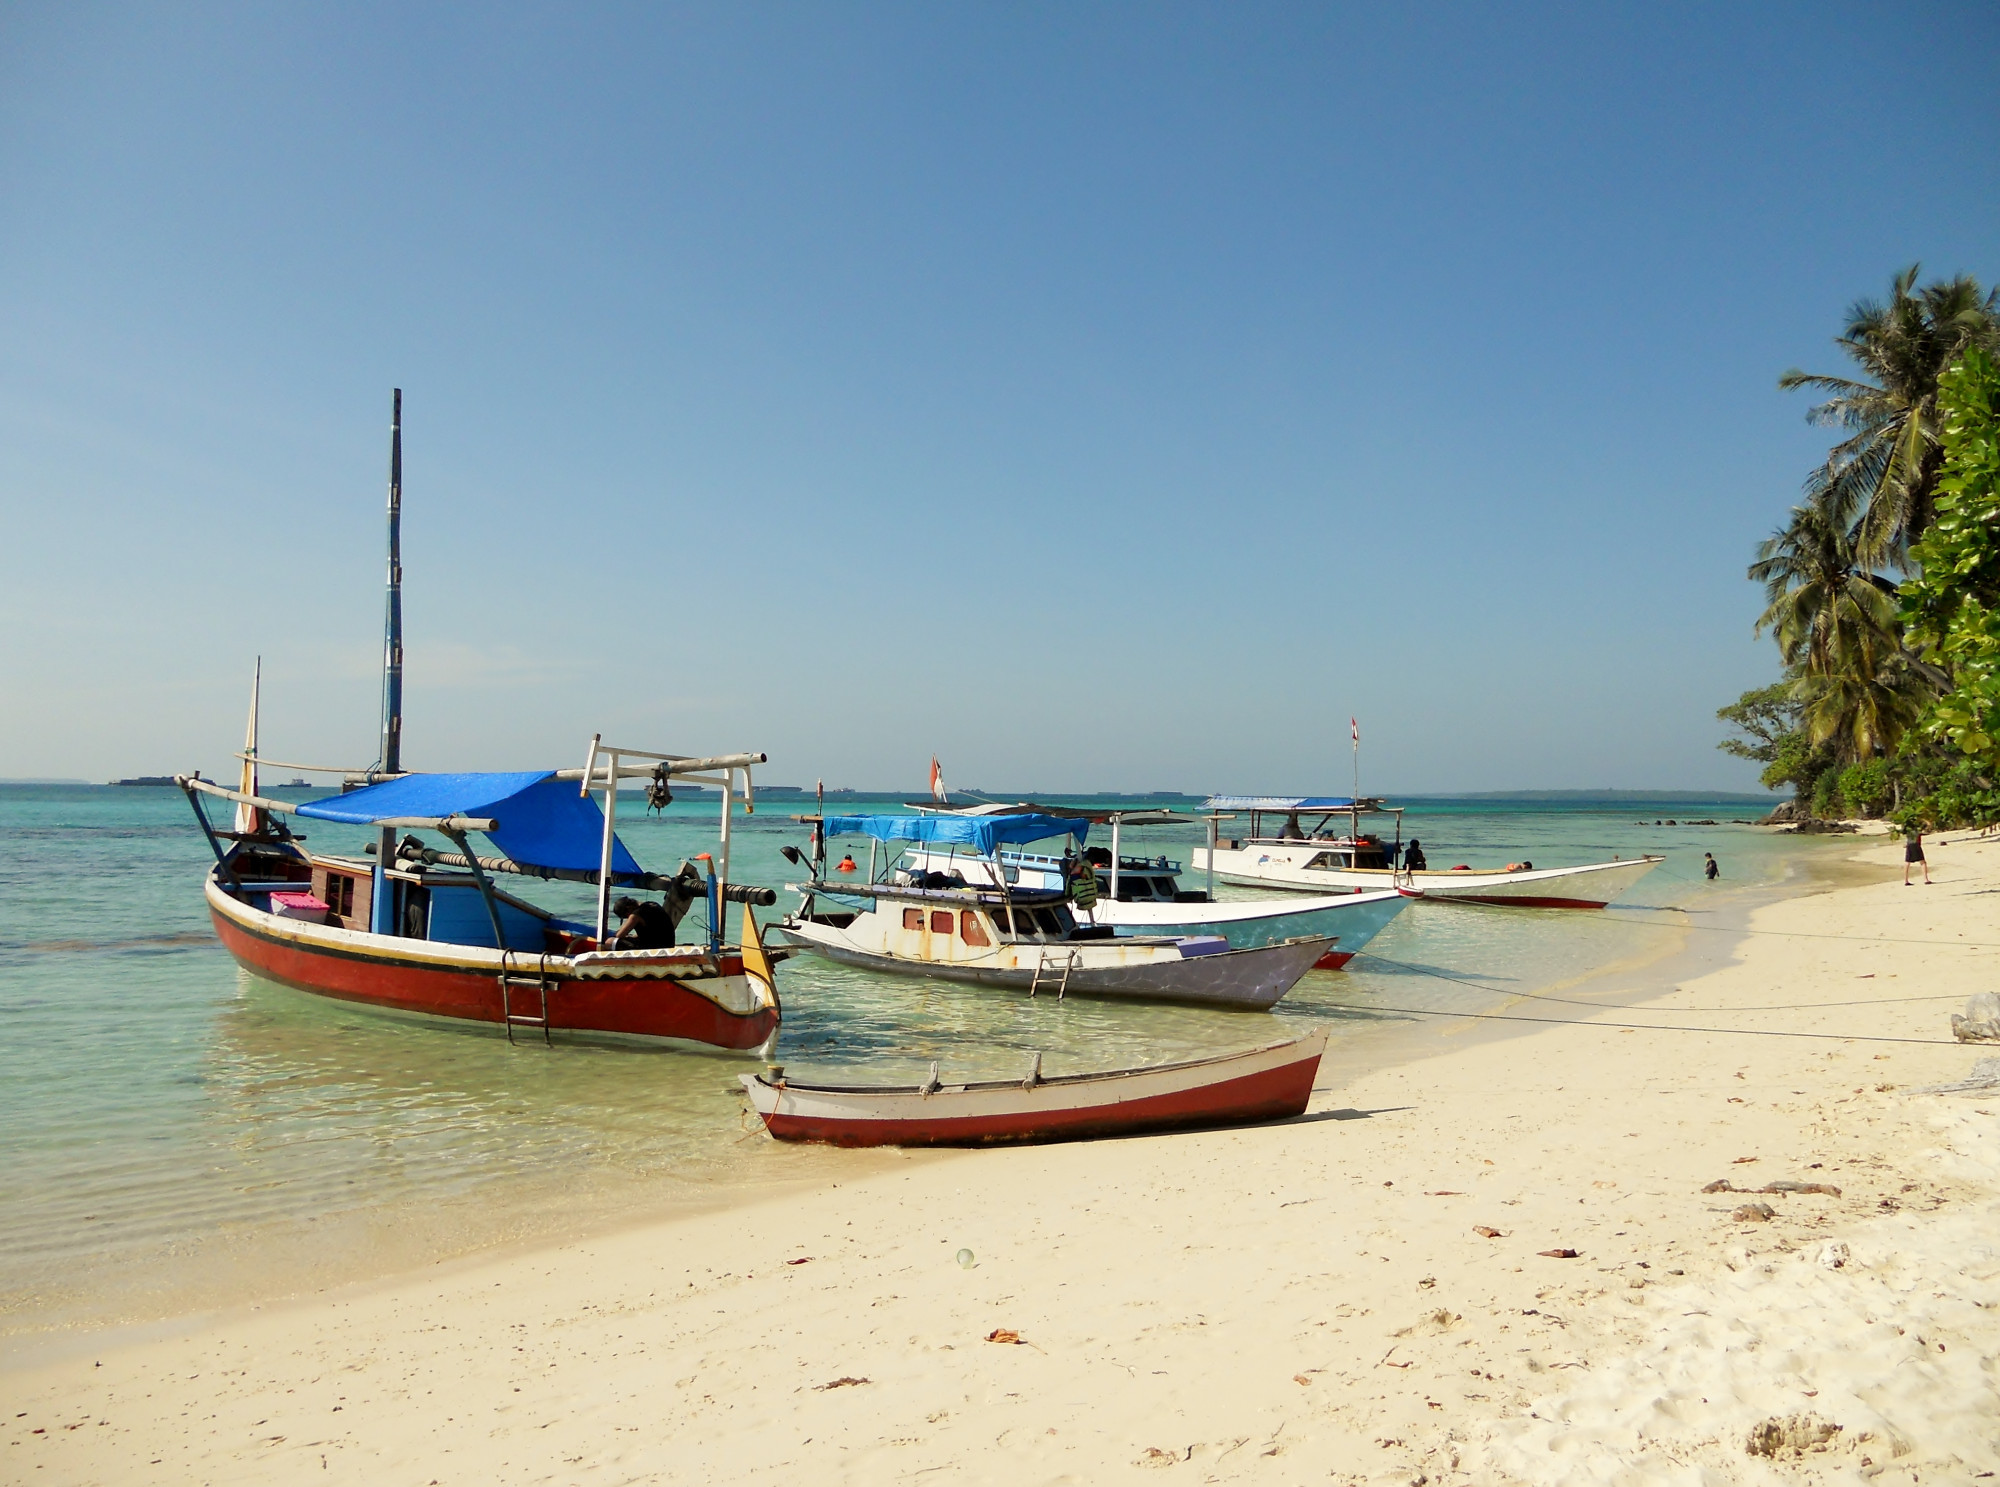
(1825, 611)
(1857, 685)
(1878, 481)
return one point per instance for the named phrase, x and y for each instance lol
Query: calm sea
(180, 1134)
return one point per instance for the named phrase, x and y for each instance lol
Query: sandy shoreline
(1308, 1301)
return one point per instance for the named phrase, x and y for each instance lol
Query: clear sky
(1097, 396)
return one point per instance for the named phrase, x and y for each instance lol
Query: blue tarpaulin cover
(983, 832)
(539, 821)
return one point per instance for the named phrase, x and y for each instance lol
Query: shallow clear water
(179, 1133)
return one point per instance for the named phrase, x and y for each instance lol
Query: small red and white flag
(1354, 727)
(938, 791)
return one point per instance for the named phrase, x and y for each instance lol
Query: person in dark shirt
(1413, 856)
(1708, 867)
(642, 926)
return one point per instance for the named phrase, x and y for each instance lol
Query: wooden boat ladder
(516, 985)
(1055, 965)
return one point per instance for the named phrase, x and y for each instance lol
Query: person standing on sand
(1913, 852)
(1708, 868)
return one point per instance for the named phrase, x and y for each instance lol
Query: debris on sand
(1789, 1433)
(1981, 1022)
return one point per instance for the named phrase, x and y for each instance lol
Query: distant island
(146, 779)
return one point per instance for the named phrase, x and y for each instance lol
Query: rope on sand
(1646, 1027)
(1609, 915)
(1535, 996)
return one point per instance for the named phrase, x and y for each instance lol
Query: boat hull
(1591, 886)
(1273, 1083)
(1248, 980)
(633, 1001)
(1351, 920)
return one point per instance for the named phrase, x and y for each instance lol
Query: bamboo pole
(677, 764)
(291, 808)
(610, 844)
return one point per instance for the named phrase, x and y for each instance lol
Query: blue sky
(1096, 396)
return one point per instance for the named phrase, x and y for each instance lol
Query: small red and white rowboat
(1269, 1083)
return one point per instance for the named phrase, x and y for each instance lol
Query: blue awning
(983, 832)
(1282, 803)
(538, 821)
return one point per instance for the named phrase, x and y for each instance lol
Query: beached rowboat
(1269, 1083)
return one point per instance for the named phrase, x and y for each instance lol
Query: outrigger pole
(382, 908)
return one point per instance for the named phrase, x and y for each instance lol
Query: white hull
(1191, 972)
(1283, 865)
(1350, 917)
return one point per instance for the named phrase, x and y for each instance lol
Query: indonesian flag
(938, 791)
(1354, 727)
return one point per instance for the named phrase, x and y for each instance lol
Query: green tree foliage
(1952, 608)
(1878, 483)
(1763, 716)
(1830, 574)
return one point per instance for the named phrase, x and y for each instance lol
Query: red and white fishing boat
(1293, 845)
(1269, 1083)
(417, 928)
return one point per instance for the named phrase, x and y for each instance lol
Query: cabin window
(1051, 925)
(913, 919)
(970, 929)
(940, 921)
(340, 894)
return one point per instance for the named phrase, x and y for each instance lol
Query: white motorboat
(1306, 853)
(1026, 939)
(1143, 896)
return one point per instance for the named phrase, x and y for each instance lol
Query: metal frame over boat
(1312, 859)
(1026, 939)
(1269, 1083)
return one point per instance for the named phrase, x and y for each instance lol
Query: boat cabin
(1331, 824)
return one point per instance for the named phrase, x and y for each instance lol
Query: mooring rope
(1536, 996)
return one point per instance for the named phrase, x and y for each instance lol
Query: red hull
(637, 1008)
(1515, 901)
(1273, 1094)
(1333, 960)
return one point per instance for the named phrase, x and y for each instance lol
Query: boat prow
(1262, 1084)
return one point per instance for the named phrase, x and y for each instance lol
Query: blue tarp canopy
(1283, 803)
(538, 821)
(983, 832)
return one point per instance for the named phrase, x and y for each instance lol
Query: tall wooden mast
(391, 758)
(383, 918)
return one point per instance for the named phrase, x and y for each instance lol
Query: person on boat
(642, 926)
(1708, 868)
(1913, 855)
(1413, 857)
(1290, 832)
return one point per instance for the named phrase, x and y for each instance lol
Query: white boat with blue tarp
(1142, 895)
(1002, 934)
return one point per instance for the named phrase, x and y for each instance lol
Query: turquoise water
(181, 1134)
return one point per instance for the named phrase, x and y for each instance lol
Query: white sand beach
(1315, 1301)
